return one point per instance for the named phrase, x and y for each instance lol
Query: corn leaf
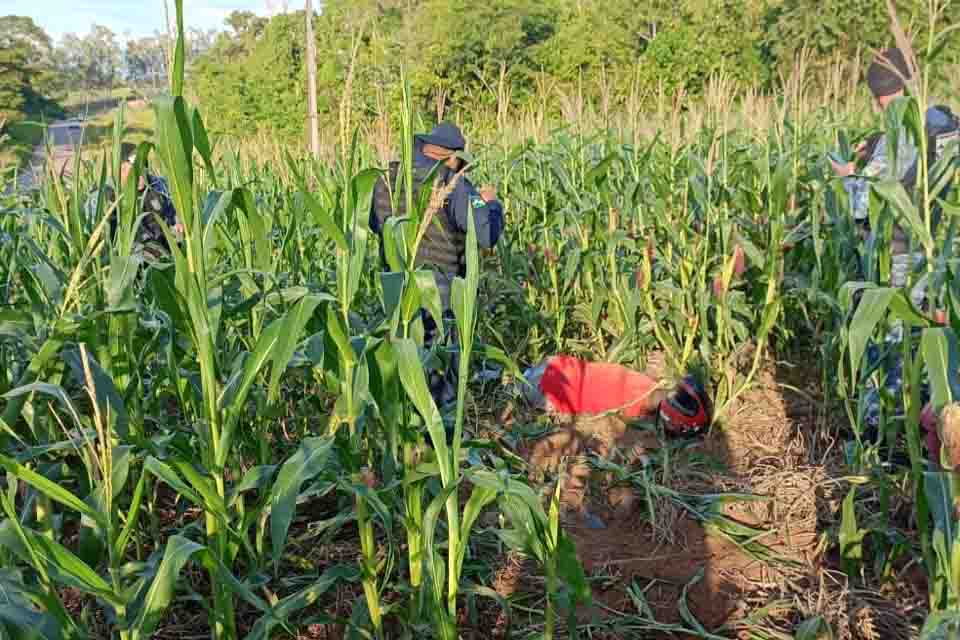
(253, 480)
(815, 628)
(298, 601)
(62, 565)
(18, 610)
(202, 142)
(873, 307)
(178, 552)
(428, 296)
(415, 384)
(943, 625)
(163, 472)
(480, 497)
(308, 461)
(337, 331)
(851, 536)
(434, 559)
(939, 348)
(176, 79)
(893, 192)
(52, 490)
(321, 215)
(133, 516)
(175, 148)
(292, 326)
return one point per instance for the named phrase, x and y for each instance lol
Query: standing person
(153, 197)
(443, 247)
(887, 79)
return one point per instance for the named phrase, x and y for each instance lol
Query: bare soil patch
(775, 445)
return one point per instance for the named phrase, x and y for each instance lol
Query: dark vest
(443, 245)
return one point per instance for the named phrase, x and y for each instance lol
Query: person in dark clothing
(443, 247)
(153, 197)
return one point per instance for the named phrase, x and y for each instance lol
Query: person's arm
(93, 204)
(167, 210)
(487, 214)
(858, 186)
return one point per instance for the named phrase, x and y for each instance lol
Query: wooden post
(168, 50)
(312, 120)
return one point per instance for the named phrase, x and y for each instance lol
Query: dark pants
(891, 372)
(443, 382)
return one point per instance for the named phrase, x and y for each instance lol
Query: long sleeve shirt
(487, 216)
(879, 167)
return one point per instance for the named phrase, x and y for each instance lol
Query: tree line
(459, 56)
(36, 73)
(474, 57)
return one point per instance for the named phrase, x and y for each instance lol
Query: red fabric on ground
(574, 386)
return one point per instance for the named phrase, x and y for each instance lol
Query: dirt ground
(631, 543)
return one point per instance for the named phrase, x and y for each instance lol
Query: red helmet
(686, 410)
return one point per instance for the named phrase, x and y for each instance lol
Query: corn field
(238, 440)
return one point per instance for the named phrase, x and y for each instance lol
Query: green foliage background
(478, 56)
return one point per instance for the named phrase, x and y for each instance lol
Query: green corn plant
(915, 213)
(408, 288)
(539, 534)
(463, 301)
(192, 298)
(136, 600)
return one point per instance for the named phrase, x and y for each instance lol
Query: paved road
(63, 136)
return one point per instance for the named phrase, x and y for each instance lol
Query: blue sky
(139, 17)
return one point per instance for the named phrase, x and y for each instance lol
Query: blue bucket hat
(444, 135)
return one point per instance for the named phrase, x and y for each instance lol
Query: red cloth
(574, 386)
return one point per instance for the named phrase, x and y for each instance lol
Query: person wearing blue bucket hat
(440, 159)
(444, 135)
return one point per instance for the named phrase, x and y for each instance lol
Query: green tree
(827, 28)
(463, 45)
(145, 61)
(253, 82)
(595, 35)
(27, 77)
(706, 37)
(94, 60)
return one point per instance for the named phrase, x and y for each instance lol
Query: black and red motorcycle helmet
(686, 411)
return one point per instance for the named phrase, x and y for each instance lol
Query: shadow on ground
(664, 552)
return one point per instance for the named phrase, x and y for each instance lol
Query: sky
(139, 17)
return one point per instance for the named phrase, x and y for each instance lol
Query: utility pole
(312, 119)
(170, 44)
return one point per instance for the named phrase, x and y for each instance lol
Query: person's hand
(843, 170)
(178, 227)
(488, 193)
(861, 150)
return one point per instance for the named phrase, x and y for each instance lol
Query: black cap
(884, 81)
(444, 135)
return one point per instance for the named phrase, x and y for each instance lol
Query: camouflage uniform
(943, 126)
(858, 187)
(154, 201)
(887, 78)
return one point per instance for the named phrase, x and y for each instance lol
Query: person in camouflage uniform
(443, 247)
(886, 78)
(153, 197)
